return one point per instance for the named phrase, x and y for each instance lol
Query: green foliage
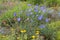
(26, 25)
(9, 13)
(46, 2)
(58, 35)
(36, 1)
(51, 2)
(56, 26)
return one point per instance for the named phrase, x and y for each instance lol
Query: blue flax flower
(42, 8)
(42, 26)
(14, 14)
(36, 6)
(47, 19)
(18, 19)
(29, 4)
(40, 17)
(28, 14)
(36, 10)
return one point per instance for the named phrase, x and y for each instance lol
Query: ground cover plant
(30, 22)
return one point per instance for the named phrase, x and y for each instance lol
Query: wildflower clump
(31, 22)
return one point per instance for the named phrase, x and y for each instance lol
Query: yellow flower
(18, 38)
(24, 31)
(37, 32)
(3, 36)
(33, 37)
(12, 29)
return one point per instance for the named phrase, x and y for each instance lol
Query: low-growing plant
(27, 22)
